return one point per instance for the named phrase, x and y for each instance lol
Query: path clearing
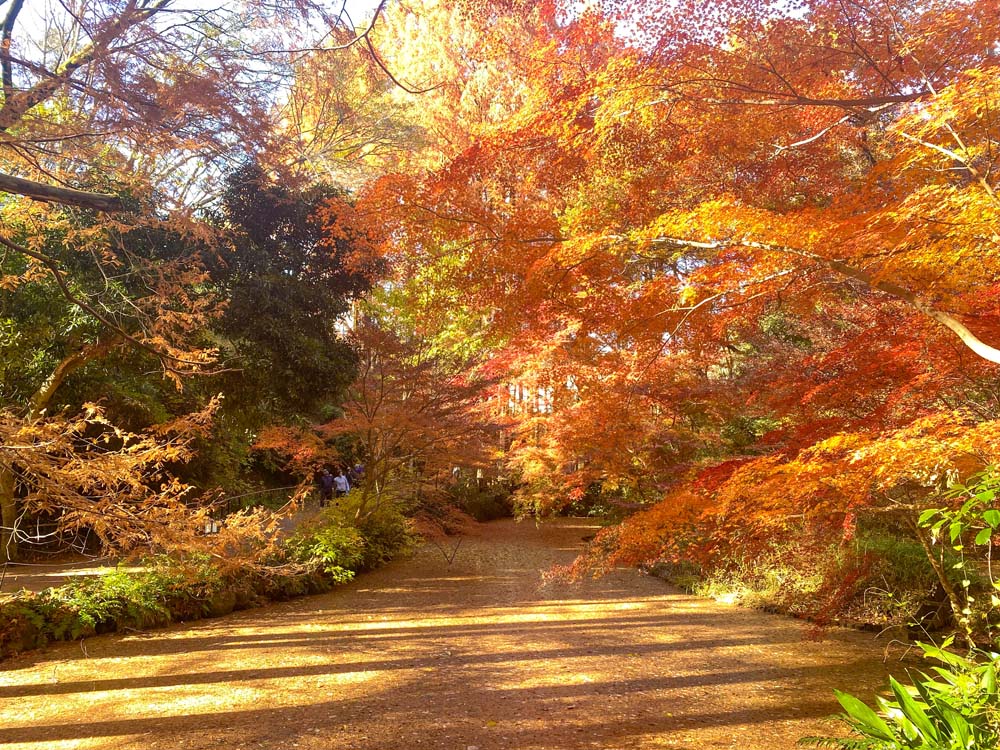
(421, 654)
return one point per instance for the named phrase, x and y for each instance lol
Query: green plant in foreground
(970, 529)
(119, 596)
(336, 548)
(954, 708)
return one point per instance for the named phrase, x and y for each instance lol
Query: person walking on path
(341, 485)
(326, 483)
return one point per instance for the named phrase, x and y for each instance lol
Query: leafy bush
(166, 591)
(597, 501)
(682, 573)
(28, 621)
(336, 548)
(387, 534)
(170, 590)
(487, 504)
(488, 507)
(341, 545)
(95, 605)
(815, 581)
(119, 597)
(958, 542)
(879, 578)
(386, 531)
(956, 708)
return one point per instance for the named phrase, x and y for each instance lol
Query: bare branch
(384, 68)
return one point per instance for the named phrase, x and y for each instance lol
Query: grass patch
(878, 579)
(326, 552)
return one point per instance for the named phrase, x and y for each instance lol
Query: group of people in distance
(331, 486)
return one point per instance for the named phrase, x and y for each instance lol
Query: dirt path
(476, 655)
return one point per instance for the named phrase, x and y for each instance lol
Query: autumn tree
(99, 294)
(291, 268)
(344, 121)
(728, 234)
(132, 109)
(413, 421)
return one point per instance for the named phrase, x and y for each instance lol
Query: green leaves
(927, 515)
(864, 717)
(975, 513)
(914, 720)
(956, 711)
(331, 545)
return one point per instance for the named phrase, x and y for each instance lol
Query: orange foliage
(413, 422)
(85, 472)
(724, 232)
(300, 449)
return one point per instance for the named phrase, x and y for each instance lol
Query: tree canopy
(740, 257)
(731, 265)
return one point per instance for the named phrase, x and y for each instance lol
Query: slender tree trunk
(953, 597)
(8, 514)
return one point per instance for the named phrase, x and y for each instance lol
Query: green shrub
(118, 597)
(788, 577)
(598, 501)
(171, 590)
(683, 574)
(28, 621)
(956, 708)
(880, 578)
(334, 547)
(487, 506)
(166, 591)
(483, 504)
(386, 534)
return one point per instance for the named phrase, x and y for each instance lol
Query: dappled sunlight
(468, 660)
(177, 701)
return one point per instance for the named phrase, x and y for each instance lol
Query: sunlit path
(477, 654)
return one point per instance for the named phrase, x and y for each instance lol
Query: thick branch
(39, 191)
(43, 396)
(966, 336)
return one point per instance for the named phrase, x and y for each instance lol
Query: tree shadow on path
(422, 654)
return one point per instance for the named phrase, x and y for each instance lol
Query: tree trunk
(953, 597)
(8, 514)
